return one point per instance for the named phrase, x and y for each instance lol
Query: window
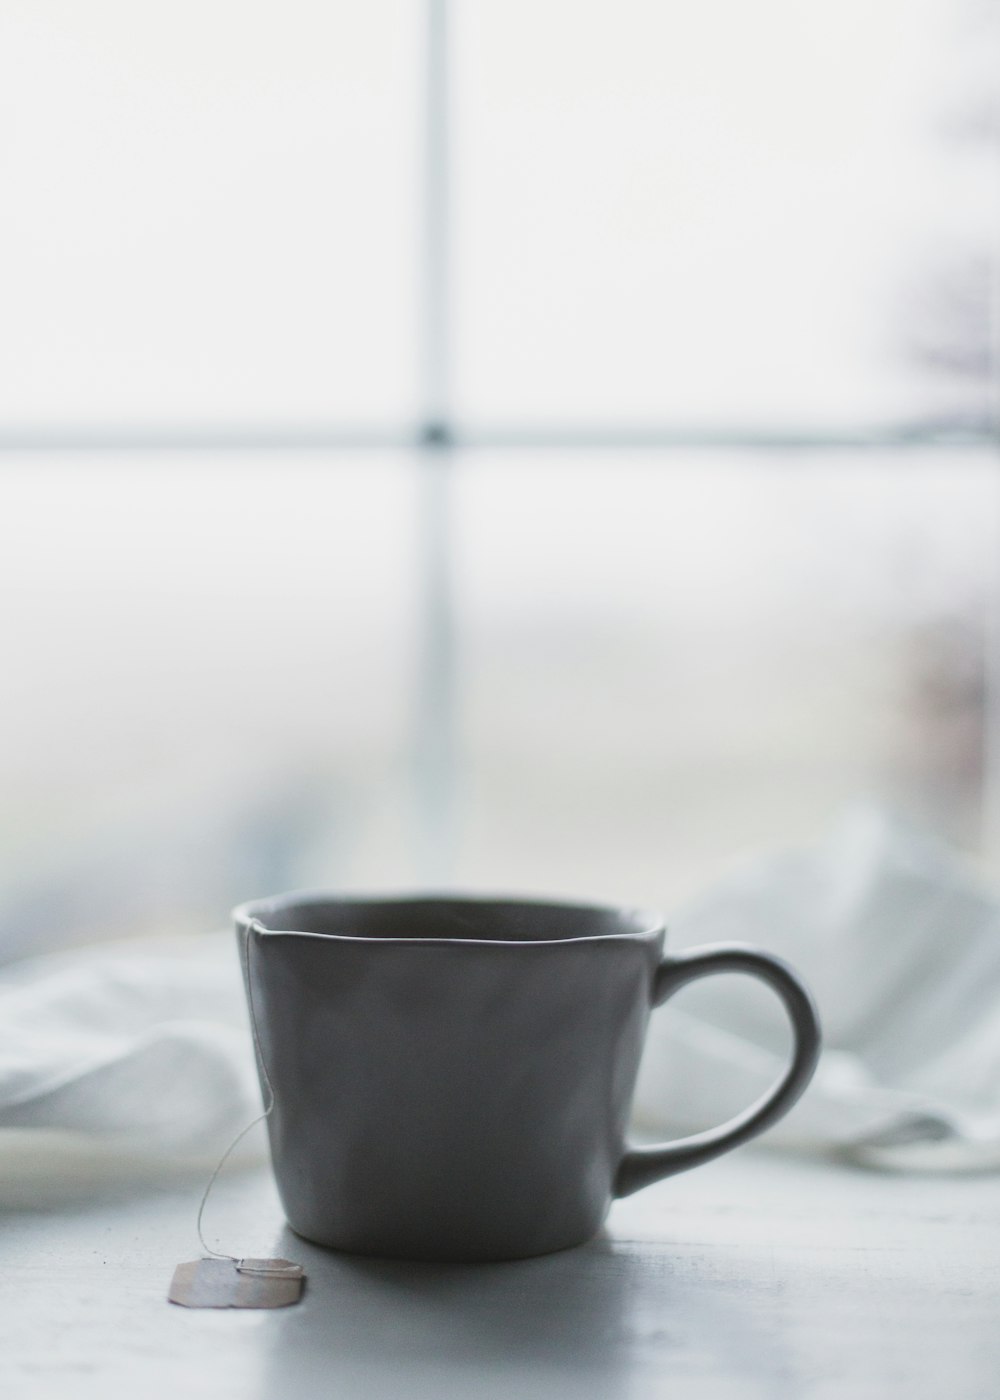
(548, 447)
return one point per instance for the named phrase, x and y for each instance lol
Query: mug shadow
(607, 1319)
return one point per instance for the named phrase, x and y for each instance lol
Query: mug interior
(478, 920)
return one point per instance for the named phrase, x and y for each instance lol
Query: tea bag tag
(237, 1283)
(223, 1281)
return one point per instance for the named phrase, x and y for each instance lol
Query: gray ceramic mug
(452, 1077)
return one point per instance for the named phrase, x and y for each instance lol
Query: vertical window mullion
(434, 739)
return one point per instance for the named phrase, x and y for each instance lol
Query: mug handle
(643, 1165)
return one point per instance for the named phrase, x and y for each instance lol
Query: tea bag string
(243, 1266)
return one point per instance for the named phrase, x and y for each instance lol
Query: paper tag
(237, 1283)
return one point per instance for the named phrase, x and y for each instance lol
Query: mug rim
(636, 922)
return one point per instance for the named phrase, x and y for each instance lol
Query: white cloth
(140, 1055)
(901, 948)
(123, 1062)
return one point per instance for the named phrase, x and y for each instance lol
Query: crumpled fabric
(901, 948)
(137, 1058)
(124, 1062)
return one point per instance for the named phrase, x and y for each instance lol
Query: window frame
(437, 438)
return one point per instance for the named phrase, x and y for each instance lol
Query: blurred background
(542, 447)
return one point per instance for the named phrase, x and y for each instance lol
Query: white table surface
(754, 1276)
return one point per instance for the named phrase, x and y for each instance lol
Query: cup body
(452, 1078)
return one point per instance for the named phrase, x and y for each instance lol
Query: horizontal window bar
(436, 436)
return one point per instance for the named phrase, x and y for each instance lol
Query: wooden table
(755, 1276)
